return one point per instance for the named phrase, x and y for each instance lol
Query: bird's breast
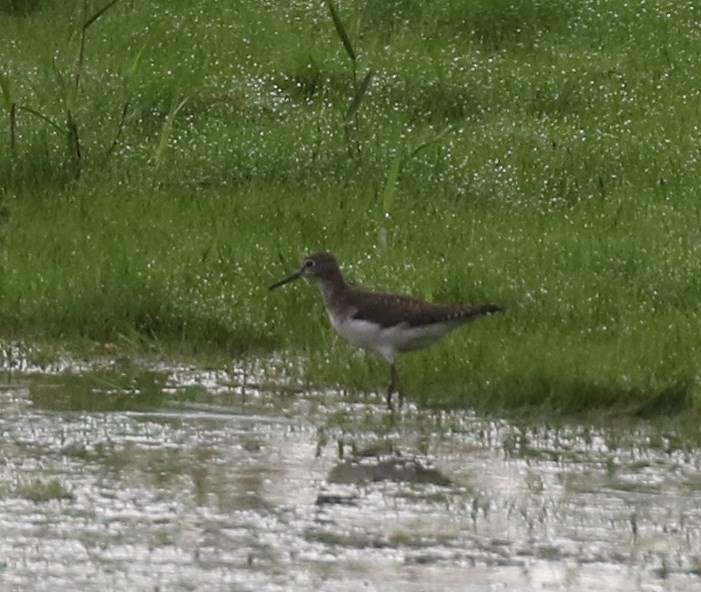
(356, 331)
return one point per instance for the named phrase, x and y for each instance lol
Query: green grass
(543, 156)
(41, 491)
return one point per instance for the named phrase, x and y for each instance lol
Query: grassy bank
(541, 157)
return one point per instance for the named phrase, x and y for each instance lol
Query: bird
(387, 324)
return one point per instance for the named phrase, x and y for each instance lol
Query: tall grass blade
(98, 14)
(87, 23)
(117, 135)
(167, 130)
(11, 108)
(41, 116)
(133, 69)
(358, 97)
(431, 140)
(5, 88)
(341, 30)
(13, 127)
(391, 184)
(73, 139)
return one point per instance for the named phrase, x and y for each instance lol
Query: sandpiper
(387, 324)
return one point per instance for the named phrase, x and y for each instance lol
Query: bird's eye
(309, 263)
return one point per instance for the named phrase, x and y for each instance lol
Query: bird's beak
(290, 278)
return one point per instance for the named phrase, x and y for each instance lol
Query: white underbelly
(387, 341)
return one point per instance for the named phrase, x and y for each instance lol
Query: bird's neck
(332, 289)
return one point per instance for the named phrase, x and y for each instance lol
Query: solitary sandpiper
(387, 324)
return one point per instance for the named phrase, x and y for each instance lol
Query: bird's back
(388, 310)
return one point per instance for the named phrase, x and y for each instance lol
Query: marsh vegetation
(159, 167)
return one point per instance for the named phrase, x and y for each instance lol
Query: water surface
(174, 478)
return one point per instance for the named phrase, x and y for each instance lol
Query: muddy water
(125, 478)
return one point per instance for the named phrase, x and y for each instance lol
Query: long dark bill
(290, 278)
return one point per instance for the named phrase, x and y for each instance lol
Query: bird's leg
(394, 387)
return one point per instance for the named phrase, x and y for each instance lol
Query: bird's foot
(400, 400)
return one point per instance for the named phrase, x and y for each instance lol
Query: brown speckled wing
(388, 310)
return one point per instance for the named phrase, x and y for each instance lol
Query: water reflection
(173, 479)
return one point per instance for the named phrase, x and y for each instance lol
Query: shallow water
(126, 477)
